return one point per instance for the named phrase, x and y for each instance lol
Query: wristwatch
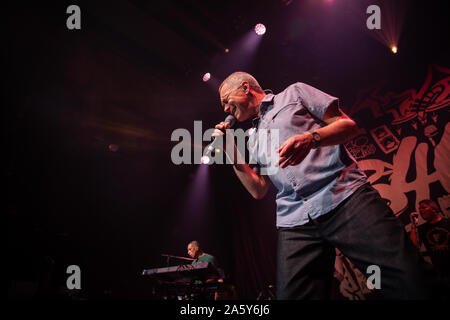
(316, 139)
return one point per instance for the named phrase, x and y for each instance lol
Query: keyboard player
(194, 251)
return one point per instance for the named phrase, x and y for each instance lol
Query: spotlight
(207, 76)
(113, 147)
(205, 159)
(394, 49)
(227, 50)
(260, 29)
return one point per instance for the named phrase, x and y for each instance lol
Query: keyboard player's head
(194, 250)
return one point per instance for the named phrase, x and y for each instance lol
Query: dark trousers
(366, 231)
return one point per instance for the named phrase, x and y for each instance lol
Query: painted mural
(404, 148)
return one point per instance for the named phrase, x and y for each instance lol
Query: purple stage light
(206, 76)
(205, 159)
(113, 147)
(260, 29)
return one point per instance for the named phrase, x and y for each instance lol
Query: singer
(324, 200)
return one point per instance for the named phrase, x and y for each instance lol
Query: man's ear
(245, 86)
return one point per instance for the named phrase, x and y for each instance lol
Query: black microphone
(231, 120)
(215, 144)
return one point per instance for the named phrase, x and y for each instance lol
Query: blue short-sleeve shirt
(327, 175)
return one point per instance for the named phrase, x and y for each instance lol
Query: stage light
(113, 147)
(391, 17)
(260, 29)
(205, 160)
(207, 76)
(227, 50)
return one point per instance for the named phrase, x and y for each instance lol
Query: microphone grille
(231, 119)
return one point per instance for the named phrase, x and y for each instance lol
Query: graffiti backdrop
(404, 148)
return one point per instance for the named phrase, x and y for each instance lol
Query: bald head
(236, 78)
(195, 243)
(241, 95)
(193, 249)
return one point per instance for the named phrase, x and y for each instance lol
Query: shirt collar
(265, 103)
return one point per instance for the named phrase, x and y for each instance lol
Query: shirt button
(294, 184)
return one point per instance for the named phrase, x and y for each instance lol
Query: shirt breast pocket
(291, 119)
